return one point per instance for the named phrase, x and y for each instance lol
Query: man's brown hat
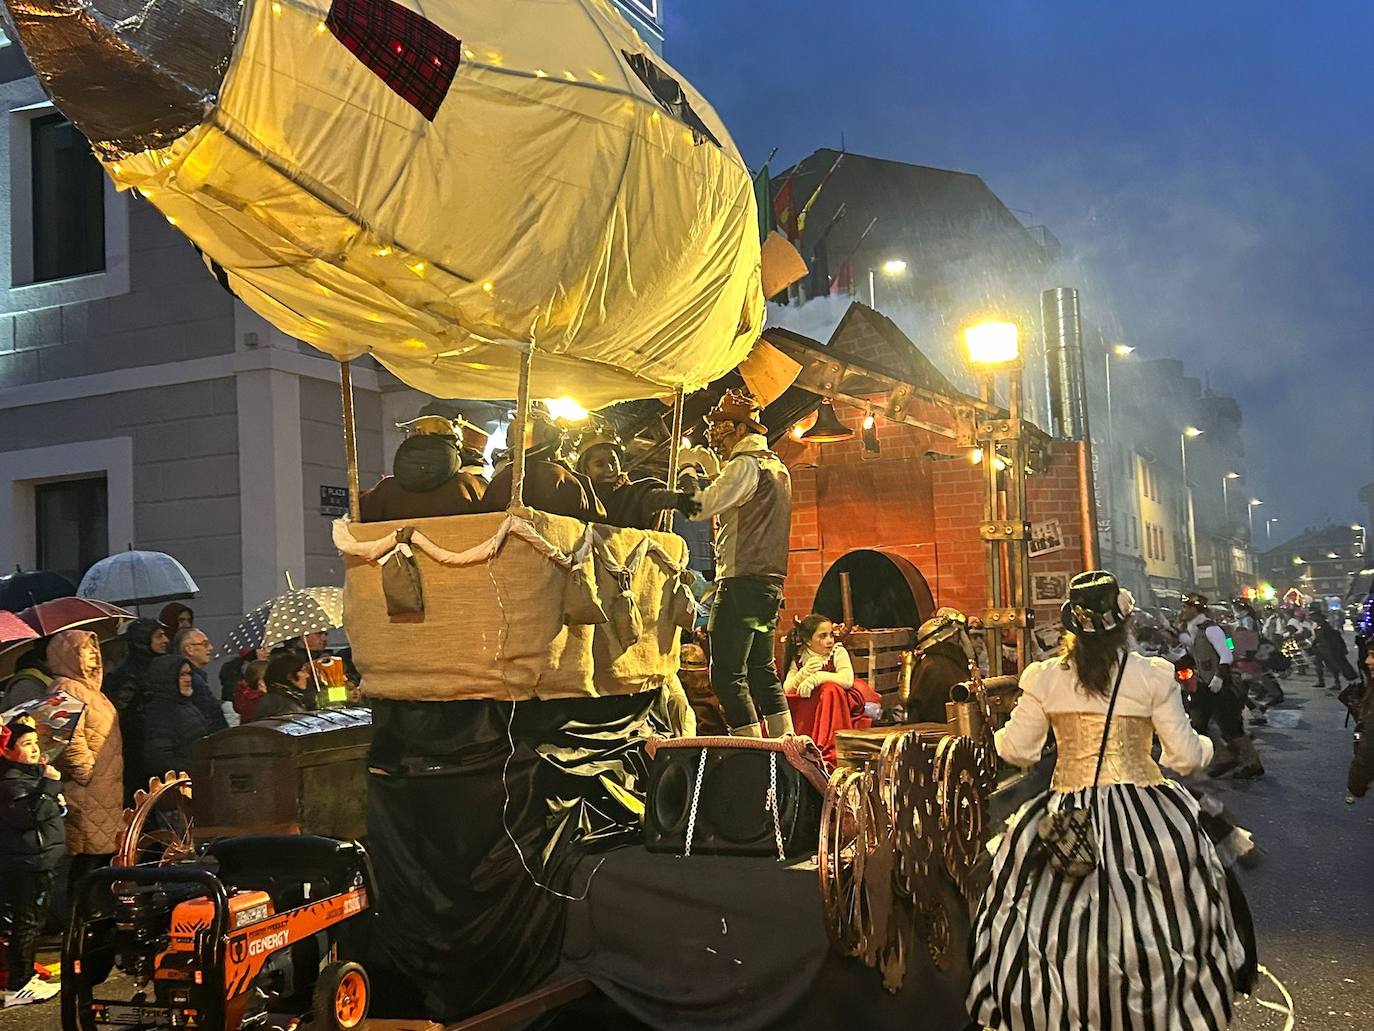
(738, 406)
(474, 437)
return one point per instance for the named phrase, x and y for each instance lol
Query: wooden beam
(517, 1011)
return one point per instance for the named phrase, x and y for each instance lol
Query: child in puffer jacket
(32, 841)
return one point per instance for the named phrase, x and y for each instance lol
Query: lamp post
(1120, 351)
(1269, 529)
(1225, 498)
(1250, 514)
(1189, 433)
(995, 347)
(893, 267)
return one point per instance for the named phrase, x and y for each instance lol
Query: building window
(71, 528)
(68, 202)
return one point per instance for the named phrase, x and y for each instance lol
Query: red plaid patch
(407, 51)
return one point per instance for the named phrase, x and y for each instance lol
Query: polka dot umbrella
(303, 610)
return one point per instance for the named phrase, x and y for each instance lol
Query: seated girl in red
(822, 692)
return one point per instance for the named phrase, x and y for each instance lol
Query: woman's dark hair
(284, 667)
(1094, 657)
(800, 634)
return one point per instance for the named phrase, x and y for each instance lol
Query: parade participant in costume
(1362, 766)
(473, 450)
(823, 694)
(551, 485)
(428, 478)
(1104, 960)
(1217, 697)
(632, 503)
(753, 498)
(1330, 651)
(945, 652)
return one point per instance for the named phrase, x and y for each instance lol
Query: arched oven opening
(887, 591)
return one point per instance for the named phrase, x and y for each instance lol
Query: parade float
(519, 199)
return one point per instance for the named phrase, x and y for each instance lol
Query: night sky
(1208, 167)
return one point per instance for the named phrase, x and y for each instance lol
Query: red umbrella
(13, 629)
(100, 617)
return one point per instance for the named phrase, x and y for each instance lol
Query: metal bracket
(999, 429)
(998, 619)
(1005, 531)
(898, 400)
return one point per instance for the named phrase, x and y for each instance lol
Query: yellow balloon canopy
(441, 185)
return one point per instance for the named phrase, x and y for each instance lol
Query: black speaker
(733, 815)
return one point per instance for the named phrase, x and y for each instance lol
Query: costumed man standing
(753, 498)
(1217, 697)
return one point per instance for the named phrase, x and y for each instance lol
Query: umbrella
(52, 617)
(303, 610)
(54, 716)
(21, 589)
(14, 630)
(138, 578)
(100, 617)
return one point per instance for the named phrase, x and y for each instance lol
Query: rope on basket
(512, 526)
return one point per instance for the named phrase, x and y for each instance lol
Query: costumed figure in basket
(753, 498)
(1108, 906)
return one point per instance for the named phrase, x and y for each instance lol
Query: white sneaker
(37, 990)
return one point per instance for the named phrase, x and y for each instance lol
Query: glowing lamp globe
(993, 343)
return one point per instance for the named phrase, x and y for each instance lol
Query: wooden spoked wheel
(158, 830)
(846, 840)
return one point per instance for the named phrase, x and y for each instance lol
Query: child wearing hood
(31, 845)
(175, 722)
(93, 763)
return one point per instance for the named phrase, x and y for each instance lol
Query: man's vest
(1205, 654)
(754, 535)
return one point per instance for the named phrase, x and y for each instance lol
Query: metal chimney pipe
(1064, 355)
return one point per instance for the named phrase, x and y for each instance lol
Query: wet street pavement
(1312, 892)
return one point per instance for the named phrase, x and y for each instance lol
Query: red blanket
(831, 708)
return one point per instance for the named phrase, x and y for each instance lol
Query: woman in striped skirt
(1150, 938)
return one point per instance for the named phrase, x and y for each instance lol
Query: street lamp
(1250, 514)
(1121, 351)
(1189, 433)
(993, 345)
(1269, 529)
(894, 267)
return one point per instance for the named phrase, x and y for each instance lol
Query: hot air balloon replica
(494, 199)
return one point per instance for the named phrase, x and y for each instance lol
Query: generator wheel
(342, 994)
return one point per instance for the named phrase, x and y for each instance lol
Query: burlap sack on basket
(401, 584)
(581, 606)
(639, 646)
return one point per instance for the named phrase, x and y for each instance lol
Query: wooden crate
(877, 656)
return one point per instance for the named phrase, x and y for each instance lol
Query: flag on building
(785, 209)
(842, 282)
(801, 217)
(763, 195)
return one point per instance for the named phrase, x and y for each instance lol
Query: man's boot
(749, 730)
(779, 724)
(1250, 765)
(1226, 759)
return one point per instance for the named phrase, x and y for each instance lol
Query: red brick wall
(907, 503)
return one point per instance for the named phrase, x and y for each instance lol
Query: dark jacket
(635, 503)
(549, 487)
(941, 667)
(32, 836)
(282, 700)
(207, 701)
(175, 722)
(428, 481)
(232, 672)
(127, 688)
(1362, 765)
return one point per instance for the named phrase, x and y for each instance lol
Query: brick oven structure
(920, 498)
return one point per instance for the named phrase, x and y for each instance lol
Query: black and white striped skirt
(1148, 941)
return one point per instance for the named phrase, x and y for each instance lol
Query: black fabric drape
(461, 923)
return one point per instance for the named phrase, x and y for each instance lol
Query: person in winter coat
(1331, 652)
(175, 722)
(93, 763)
(289, 689)
(176, 617)
(31, 845)
(195, 648)
(251, 690)
(231, 674)
(127, 687)
(31, 679)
